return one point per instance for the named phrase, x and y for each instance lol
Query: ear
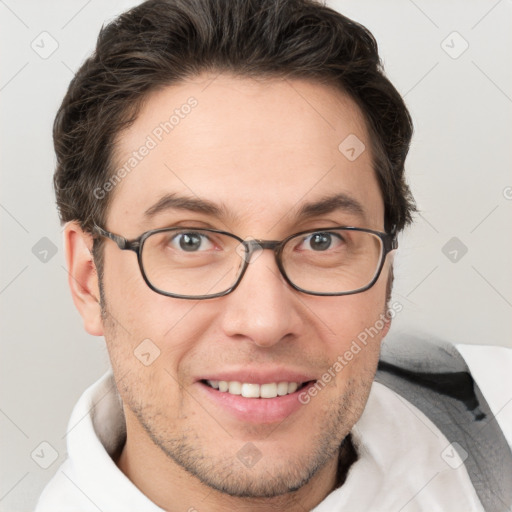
(387, 325)
(82, 277)
(389, 288)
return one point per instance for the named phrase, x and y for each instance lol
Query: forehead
(260, 149)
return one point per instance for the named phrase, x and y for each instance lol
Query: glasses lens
(334, 261)
(192, 262)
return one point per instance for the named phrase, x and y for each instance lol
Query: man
(231, 178)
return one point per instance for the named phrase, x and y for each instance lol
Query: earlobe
(82, 277)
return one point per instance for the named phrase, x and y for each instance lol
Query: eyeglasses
(192, 263)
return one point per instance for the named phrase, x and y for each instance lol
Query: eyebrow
(331, 204)
(323, 206)
(175, 202)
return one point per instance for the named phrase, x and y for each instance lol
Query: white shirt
(400, 464)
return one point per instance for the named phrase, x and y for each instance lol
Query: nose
(263, 308)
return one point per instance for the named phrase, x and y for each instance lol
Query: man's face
(259, 150)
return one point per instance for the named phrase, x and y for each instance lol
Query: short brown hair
(161, 42)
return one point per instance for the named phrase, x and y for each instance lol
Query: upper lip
(260, 376)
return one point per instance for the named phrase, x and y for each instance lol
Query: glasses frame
(389, 243)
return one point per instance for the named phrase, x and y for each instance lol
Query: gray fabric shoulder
(433, 376)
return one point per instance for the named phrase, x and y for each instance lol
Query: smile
(251, 390)
(258, 403)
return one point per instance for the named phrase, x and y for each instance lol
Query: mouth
(252, 390)
(262, 402)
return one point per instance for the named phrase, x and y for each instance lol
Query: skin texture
(262, 148)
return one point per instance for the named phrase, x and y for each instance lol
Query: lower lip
(256, 410)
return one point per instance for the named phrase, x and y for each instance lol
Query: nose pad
(254, 252)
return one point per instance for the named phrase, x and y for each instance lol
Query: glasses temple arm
(121, 242)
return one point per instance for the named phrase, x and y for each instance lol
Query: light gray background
(459, 169)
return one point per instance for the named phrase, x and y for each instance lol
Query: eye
(191, 241)
(322, 241)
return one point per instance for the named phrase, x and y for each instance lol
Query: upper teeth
(247, 390)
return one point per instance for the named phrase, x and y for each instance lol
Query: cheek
(140, 312)
(146, 332)
(354, 327)
(148, 338)
(346, 317)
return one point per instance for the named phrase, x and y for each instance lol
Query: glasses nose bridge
(255, 245)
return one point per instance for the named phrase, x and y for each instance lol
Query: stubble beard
(226, 474)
